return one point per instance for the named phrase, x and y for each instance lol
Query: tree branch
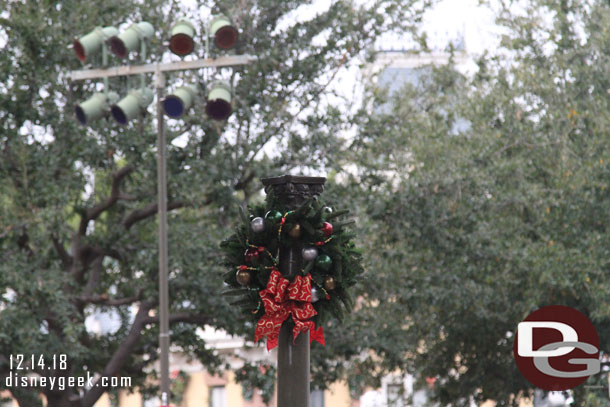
(146, 212)
(94, 251)
(181, 317)
(94, 275)
(94, 212)
(104, 300)
(23, 242)
(120, 356)
(242, 184)
(66, 259)
(304, 105)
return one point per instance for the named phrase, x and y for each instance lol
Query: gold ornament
(295, 231)
(329, 283)
(244, 277)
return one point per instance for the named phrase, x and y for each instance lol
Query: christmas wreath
(331, 265)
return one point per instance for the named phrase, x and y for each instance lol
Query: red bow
(281, 299)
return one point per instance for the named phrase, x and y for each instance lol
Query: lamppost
(293, 358)
(218, 107)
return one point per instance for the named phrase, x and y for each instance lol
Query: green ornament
(273, 216)
(324, 262)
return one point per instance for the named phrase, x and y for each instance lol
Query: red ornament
(261, 249)
(327, 229)
(251, 255)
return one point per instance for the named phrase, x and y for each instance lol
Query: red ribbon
(282, 299)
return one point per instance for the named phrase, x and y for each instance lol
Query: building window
(218, 397)
(316, 398)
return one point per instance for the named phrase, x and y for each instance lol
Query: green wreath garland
(330, 256)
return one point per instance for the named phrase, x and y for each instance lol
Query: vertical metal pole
(143, 59)
(293, 358)
(206, 27)
(163, 274)
(105, 64)
(207, 39)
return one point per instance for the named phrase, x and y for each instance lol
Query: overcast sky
(466, 16)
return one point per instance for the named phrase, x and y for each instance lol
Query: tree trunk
(66, 398)
(27, 397)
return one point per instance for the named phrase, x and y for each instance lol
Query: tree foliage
(472, 228)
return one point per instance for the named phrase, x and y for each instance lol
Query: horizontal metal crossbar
(127, 70)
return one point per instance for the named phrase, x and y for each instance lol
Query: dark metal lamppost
(293, 358)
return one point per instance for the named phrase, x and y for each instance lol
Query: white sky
(476, 22)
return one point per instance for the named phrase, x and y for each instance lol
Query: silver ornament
(327, 210)
(257, 224)
(316, 294)
(309, 253)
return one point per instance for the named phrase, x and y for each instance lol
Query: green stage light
(121, 45)
(96, 107)
(218, 105)
(90, 44)
(182, 38)
(132, 105)
(224, 33)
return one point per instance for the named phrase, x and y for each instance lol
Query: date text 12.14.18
(38, 362)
